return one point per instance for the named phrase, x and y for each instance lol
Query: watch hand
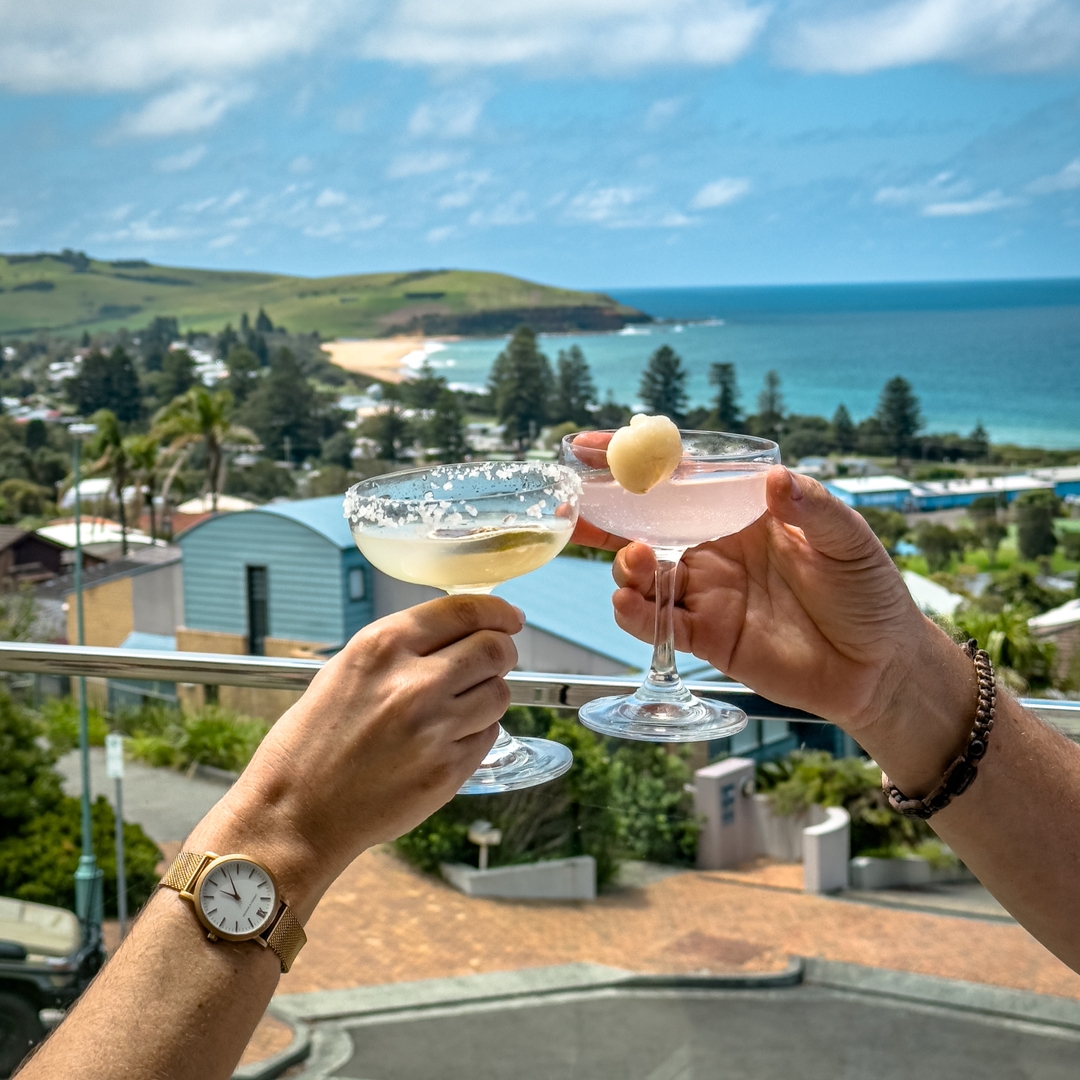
(235, 895)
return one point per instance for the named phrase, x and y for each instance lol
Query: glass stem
(663, 681)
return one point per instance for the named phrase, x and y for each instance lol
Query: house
(947, 494)
(279, 580)
(28, 558)
(101, 537)
(195, 510)
(1061, 625)
(127, 603)
(885, 492)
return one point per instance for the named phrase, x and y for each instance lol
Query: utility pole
(88, 898)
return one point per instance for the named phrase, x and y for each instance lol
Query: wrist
(924, 709)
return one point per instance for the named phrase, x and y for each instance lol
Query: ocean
(1005, 353)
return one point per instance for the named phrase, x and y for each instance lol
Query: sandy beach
(380, 358)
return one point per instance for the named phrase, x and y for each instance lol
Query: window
(258, 615)
(357, 587)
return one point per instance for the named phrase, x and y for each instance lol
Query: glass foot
(518, 763)
(688, 720)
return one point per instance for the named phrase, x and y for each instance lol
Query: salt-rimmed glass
(465, 529)
(718, 489)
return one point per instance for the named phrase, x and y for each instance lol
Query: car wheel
(20, 1029)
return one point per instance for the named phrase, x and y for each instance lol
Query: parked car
(46, 961)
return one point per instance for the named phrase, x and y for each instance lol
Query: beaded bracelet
(960, 774)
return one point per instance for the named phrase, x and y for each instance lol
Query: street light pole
(88, 884)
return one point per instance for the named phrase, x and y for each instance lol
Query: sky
(587, 143)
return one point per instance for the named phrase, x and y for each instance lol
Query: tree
(146, 458)
(1035, 514)
(520, 385)
(423, 391)
(979, 443)
(177, 374)
(284, 405)
(36, 435)
(899, 415)
(663, 385)
(112, 459)
(727, 414)
(390, 430)
(106, 382)
(244, 371)
(263, 325)
(575, 390)
(202, 416)
(770, 408)
(843, 430)
(938, 543)
(446, 429)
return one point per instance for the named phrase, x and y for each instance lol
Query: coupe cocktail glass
(718, 489)
(465, 529)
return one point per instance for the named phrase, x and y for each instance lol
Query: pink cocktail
(718, 489)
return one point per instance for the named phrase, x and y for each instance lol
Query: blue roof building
(275, 580)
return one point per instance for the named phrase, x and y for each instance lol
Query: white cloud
(191, 108)
(662, 112)
(301, 164)
(604, 205)
(186, 159)
(451, 116)
(329, 197)
(421, 163)
(1066, 179)
(440, 233)
(982, 204)
(942, 186)
(8, 219)
(720, 192)
(222, 241)
(145, 231)
(512, 211)
(595, 35)
(235, 199)
(470, 183)
(64, 45)
(1011, 35)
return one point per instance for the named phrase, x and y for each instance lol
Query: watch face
(237, 898)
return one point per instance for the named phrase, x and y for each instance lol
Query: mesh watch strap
(285, 937)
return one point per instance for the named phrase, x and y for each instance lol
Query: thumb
(830, 526)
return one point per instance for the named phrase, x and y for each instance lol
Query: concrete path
(167, 804)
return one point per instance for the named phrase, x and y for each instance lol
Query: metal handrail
(284, 673)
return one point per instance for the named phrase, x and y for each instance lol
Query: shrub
(60, 723)
(814, 777)
(40, 827)
(214, 736)
(628, 805)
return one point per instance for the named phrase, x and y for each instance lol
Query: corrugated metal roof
(323, 515)
(571, 598)
(139, 639)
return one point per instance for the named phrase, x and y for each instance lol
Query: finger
(427, 628)
(829, 525)
(637, 617)
(635, 568)
(474, 747)
(590, 448)
(479, 707)
(588, 535)
(479, 657)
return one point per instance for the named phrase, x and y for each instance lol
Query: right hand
(804, 606)
(386, 733)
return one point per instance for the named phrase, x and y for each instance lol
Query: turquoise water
(1005, 353)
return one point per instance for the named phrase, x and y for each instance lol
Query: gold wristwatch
(236, 899)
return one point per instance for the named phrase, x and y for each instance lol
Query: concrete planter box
(782, 837)
(867, 872)
(555, 879)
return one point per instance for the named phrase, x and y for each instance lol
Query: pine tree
(282, 404)
(107, 382)
(244, 370)
(520, 384)
(446, 430)
(770, 404)
(177, 374)
(843, 430)
(899, 415)
(575, 390)
(263, 325)
(727, 413)
(663, 385)
(979, 442)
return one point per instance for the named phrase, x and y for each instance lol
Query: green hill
(69, 292)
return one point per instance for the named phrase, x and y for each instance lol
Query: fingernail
(521, 614)
(796, 487)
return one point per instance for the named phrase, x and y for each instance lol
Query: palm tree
(111, 453)
(144, 453)
(202, 416)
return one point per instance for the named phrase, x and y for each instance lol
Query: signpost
(114, 770)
